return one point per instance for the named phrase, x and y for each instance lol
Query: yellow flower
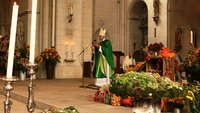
(198, 50)
(17, 53)
(191, 93)
(49, 55)
(197, 88)
(189, 97)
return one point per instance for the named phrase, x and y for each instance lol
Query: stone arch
(138, 25)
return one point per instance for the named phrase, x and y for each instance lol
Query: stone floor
(58, 93)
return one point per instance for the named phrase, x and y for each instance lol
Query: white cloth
(127, 62)
(142, 110)
(103, 81)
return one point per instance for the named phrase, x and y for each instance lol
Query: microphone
(87, 47)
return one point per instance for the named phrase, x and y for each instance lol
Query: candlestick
(12, 41)
(33, 29)
(191, 37)
(72, 47)
(32, 67)
(8, 88)
(67, 52)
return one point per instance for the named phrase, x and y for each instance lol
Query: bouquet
(155, 47)
(21, 57)
(192, 65)
(193, 96)
(49, 55)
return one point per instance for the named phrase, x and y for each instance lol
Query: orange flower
(48, 55)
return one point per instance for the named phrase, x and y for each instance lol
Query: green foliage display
(144, 85)
(70, 109)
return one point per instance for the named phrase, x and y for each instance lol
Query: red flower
(148, 57)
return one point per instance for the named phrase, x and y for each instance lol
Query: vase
(22, 75)
(50, 70)
(157, 108)
(143, 102)
(177, 110)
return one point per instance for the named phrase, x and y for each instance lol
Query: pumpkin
(127, 101)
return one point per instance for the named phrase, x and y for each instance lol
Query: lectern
(118, 54)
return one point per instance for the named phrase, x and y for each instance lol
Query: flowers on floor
(70, 109)
(103, 95)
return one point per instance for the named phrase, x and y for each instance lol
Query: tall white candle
(67, 51)
(12, 40)
(70, 9)
(191, 37)
(33, 29)
(72, 47)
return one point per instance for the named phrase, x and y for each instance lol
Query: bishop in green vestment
(103, 60)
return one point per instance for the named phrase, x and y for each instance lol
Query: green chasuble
(102, 59)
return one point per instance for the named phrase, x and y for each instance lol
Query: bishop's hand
(96, 45)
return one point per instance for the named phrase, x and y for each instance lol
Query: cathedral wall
(106, 16)
(87, 29)
(186, 16)
(160, 34)
(68, 39)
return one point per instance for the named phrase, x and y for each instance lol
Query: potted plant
(155, 47)
(49, 57)
(192, 96)
(21, 57)
(177, 104)
(192, 65)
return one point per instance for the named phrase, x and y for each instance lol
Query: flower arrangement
(155, 47)
(163, 53)
(70, 109)
(21, 57)
(167, 89)
(192, 96)
(192, 65)
(49, 55)
(134, 84)
(144, 85)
